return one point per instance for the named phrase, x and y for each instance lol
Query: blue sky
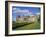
(18, 10)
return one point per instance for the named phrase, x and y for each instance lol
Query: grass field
(34, 25)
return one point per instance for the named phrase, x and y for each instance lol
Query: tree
(39, 18)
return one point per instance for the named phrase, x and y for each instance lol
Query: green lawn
(34, 25)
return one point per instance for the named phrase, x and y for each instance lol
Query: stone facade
(26, 19)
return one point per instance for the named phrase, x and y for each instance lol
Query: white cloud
(25, 11)
(38, 13)
(14, 9)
